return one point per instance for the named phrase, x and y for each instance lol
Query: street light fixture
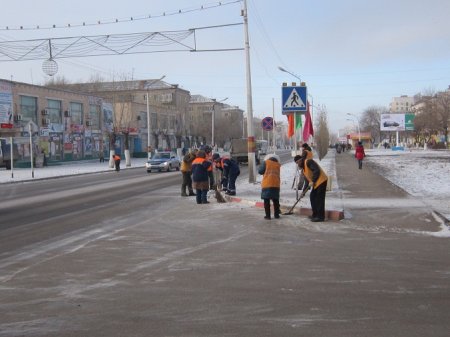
(213, 118)
(149, 153)
(357, 121)
(286, 71)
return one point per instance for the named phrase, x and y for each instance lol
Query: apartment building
(402, 104)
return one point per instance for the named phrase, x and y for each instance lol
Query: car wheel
(169, 168)
(178, 167)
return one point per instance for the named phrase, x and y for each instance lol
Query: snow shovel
(292, 208)
(219, 196)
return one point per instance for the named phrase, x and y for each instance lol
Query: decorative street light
(357, 121)
(148, 116)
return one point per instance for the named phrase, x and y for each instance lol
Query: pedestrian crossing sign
(293, 99)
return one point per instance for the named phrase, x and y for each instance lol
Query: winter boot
(267, 209)
(183, 191)
(276, 206)
(191, 193)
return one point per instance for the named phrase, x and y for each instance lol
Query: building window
(94, 115)
(172, 122)
(154, 121)
(28, 108)
(76, 111)
(54, 111)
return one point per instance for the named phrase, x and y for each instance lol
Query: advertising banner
(392, 122)
(108, 116)
(5, 102)
(409, 122)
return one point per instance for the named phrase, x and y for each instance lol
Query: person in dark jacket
(270, 169)
(230, 172)
(359, 154)
(200, 177)
(317, 183)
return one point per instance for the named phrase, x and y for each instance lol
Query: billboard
(6, 103)
(392, 122)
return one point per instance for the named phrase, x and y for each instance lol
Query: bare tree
(426, 121)
(322, 133)
(442, 111)
(371, 122)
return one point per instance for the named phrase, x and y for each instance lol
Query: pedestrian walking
(200, 177)
(186, 171)
(317, 184)
(270, 184)
(230, 171)
(116, 159)
(359, 154)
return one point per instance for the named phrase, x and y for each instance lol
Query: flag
(298, 120)
(308, 129)
(290, 131)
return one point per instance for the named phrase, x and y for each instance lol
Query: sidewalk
(359, 194)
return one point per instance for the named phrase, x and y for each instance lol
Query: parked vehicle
(262, 145)
(239, 151)
(163, 161)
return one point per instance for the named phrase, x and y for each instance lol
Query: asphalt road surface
(100, 255)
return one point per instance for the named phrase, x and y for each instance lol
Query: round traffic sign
(267, 124)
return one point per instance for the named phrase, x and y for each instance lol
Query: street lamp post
(357, 121)
(213, 119)
(149, 153)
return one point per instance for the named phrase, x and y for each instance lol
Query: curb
(302, 211)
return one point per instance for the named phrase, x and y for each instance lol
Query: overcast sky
(352, 54)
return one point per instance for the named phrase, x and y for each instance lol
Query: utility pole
(149, 154)
(250, 133)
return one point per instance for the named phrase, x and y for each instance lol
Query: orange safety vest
(308, 175)
(309, 154)
(116, 157)
(271, 177)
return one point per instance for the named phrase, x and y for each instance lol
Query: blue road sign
(293, 99)
(267, 124)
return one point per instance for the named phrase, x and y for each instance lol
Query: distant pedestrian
(101, 157)
(230, 172)
(116, 159)
(270, 184)
(359, 154)
(307, 151)
(200, 177)
(317, 183)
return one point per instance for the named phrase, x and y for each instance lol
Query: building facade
(166, 113)
(64, 125)
(401, 104)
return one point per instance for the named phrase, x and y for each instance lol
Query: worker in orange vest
(317, 183)
(116, 159)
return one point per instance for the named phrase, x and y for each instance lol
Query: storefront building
(64, 125)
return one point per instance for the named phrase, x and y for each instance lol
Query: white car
(163, 161)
